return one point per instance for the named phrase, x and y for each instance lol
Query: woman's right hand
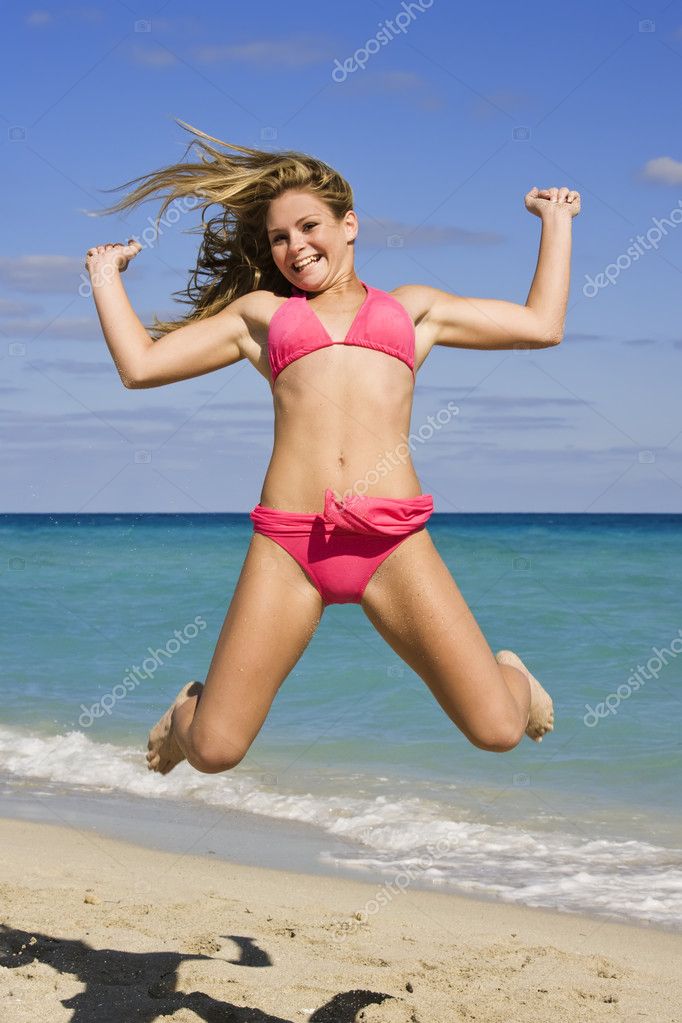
(112, 256)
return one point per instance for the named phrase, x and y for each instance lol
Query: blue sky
(441, 133)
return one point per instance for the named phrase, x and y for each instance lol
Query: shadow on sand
(141, 985)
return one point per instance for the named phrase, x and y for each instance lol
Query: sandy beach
(99, 930)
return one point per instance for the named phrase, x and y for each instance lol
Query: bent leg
(415, 604)
(271, 619)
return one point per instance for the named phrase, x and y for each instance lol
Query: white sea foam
(405, 840)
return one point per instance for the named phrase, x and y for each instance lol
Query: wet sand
(98, 930)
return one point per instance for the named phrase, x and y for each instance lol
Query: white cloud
(289, 51)
(578, 336)
(42, 273)
(497, 401)
(153, 57)
(40, 17)
(70, 328)
(20, 430)
(72, 367)
(663, 169)
(10, 308)
(406, 84)
(37, 18)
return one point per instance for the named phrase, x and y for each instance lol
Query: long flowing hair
(234, 256)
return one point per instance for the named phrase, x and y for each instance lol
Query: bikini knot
(378, 515)
(345, 512)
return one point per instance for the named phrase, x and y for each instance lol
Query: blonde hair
(234, 257)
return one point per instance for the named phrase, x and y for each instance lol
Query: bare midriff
(342, 420)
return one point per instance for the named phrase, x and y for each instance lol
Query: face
(301, 225)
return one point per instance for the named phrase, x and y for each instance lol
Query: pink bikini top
(382, 323)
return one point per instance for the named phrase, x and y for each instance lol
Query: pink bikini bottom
(341, 549)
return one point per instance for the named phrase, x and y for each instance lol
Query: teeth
(310, 259)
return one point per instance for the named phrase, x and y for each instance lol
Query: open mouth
(299, 268)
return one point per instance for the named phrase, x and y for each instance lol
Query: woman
(280, 290)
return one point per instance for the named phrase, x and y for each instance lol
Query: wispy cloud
(73, 367)
(515, 422)
(405, 84)
(40, 17)
(8, 307)
(497, 401)
(576, 335)
(143, 425)
(36, 19)
(570, 338)
(41, 273)
(663, 169)
(564, 454)
(504, 414)
(71, 328)
(153, 56)
(292, 51)
(502, 101)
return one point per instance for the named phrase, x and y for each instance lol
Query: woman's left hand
(541, 201)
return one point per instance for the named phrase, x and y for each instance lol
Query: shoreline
(237, 837)
(105, 926)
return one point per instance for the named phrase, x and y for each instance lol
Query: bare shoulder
(417, 299)
(256, 308)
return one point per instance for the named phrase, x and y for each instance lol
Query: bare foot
(164, 752)
(541, 716)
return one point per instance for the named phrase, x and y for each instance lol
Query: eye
(309, 224)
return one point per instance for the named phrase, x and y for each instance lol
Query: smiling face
(300, 225)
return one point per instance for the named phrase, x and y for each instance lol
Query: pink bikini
(340, 549)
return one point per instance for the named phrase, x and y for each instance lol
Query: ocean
(106, 616)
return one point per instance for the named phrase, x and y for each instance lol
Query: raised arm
(463, 322)
(189, 351)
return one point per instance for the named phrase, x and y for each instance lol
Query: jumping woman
(279, 288)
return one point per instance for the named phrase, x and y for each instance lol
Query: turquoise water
(110, 614)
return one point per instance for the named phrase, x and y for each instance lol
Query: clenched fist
(112, 256)
(541, 201)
